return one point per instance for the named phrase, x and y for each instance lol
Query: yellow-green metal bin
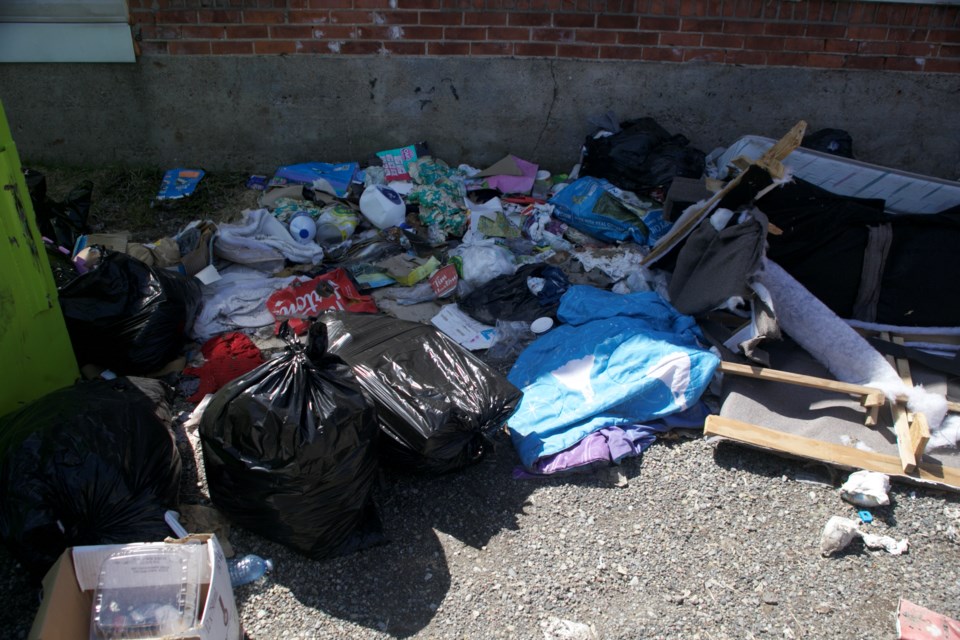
(35, 352)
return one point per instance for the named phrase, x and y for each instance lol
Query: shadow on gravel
(476, 503)
(398, 587)
(395, 588)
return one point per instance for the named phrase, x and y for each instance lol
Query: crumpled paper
(839, 532)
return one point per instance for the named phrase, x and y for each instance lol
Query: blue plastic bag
(598, 208)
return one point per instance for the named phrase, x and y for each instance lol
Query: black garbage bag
(63, 221)
(95, 463)
(509, 297)
(129, 317)
(835, 141)
(290, 452)
(436, 402)
(641, 157)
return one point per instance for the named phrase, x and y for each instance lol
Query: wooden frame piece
(870, 397)
(912, 430)
(910, 439)
(828, 452)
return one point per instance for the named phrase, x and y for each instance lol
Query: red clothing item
(228, 357)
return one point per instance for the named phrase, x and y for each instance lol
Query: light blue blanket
(618, 359)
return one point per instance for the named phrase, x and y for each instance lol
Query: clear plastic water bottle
(248, 569)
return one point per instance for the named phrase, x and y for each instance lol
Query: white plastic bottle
(303, 227)
(382, 206)
(247, 569)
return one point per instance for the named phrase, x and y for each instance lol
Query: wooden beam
(777, 153)
(909, 429)
(901, 426)
(919, 434)
(870, 396)
(829, 452)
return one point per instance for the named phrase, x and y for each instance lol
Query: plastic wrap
(509, 297)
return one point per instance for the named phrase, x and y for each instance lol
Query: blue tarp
(619, 359)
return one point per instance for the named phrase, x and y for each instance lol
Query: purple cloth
(610, 445)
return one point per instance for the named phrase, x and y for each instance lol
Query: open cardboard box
(69, 586)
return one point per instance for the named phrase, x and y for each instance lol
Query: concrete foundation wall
(255, 113)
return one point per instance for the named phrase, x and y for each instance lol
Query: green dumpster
(35, 352)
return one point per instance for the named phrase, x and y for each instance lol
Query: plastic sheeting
(509, 297)
(621, 359)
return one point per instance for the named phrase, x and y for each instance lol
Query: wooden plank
(910, 440)
(827, 451)
(873, 413)
(919, 434)
(783, 147)
(901, 426)
(902, 364)
(871, 396)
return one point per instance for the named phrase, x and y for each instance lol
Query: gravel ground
(691, 541)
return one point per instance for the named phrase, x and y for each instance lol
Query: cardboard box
(69, 587)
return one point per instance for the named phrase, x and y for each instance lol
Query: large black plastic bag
(435, 401)
(290, 452)
(641, 157)
(95, 463)
(127, 316)
(835, 141)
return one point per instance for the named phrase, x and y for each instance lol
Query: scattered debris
(839, 532)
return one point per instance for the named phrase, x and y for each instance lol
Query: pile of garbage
(400, 311)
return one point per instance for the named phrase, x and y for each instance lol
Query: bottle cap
(541, 325)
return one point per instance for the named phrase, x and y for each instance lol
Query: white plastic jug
(302, 227)
(382, 206)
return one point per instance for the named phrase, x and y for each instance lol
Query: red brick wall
(831, 34)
